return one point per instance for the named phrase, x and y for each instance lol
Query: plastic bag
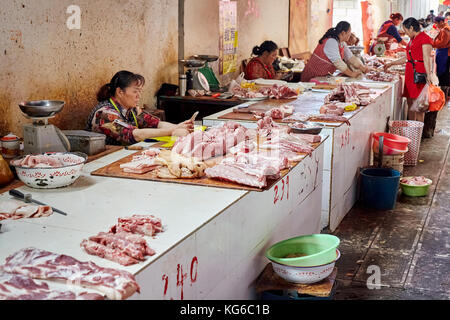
(421, 104)
(6, 176)
(436, 98)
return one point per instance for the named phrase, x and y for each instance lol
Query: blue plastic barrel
(379, 187)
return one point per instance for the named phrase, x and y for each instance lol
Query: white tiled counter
(214, 240)
(346, 150)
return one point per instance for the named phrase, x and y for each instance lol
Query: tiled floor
(410, 244)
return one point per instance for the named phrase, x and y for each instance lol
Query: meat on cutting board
(20, 287)
(41, 264)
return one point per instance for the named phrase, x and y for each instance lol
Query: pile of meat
(276, 113)
(380, 76)
(167, 164)
(316, 117)
(416, 181)
(350, 93)
(15, 209)
(204, 145)
(275, 92)
(336, 108)
(124, 243)
(253, 163)
(47, 160)
(23, 267)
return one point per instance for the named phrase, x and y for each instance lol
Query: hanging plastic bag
(421, 104)
(436, 98)
(6, 176)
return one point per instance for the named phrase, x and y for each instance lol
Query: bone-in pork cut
(288, 142)
(333, 108)
(40, 264)
(328, 117)
(349, 93)
(133, 245)
(107, 252)
(19, 287)
(380, 76)
(310, 138)
(15, 209)
(147, 225)
(267, 128)
(275, 113)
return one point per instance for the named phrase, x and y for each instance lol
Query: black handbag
(418, 77)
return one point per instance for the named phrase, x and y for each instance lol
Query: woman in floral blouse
(121, 120)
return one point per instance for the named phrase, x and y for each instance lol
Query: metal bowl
(193, 63)
(313, 127)
(206, 57)
(41, 108)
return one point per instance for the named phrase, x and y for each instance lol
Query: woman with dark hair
(418, 60)
(389, 30)
(261, 66)
(332, 53)
(118, 116)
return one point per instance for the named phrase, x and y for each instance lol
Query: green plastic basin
(415, 191)
(318, 249)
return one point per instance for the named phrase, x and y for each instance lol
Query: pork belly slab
(41, 264)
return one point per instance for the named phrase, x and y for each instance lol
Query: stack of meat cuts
(350, 93)
(142, 163)
(40, 264)
(217, 141)
(276, 113)
(252, 169)
(275, 92)
(19, 287)
(123, 243)
(279, 92)
(380, 76)
(336, 108)
(266, 127)
(316, 117)
(15, 209)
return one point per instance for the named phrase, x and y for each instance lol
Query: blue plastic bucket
(379, 187)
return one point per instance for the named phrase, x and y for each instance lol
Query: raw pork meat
(15, 209)
(46, 160)
(147, 225)
(349, 93)
(333, 108)
(143, 162)
(242, 174)
(328, 117)
(19, 287)
(288, 142)
(40, 264)
(416, 181)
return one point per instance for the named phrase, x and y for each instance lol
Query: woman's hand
(387, 66)
(180, 132)
(187, 125)
(432, 79)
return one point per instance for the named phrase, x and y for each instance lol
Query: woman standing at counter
(332, 53)
(389, 30)
(418, 60)
(121, 120)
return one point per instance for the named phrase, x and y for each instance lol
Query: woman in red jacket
(418, 58)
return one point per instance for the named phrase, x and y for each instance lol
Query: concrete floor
(410, 244)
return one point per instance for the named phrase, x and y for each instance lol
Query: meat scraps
(15, 209)
(41, 264)
(336, 108)
(19, 287)
(349, 93)
(47, 160)
(124, 243)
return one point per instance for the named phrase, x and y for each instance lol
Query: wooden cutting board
(325, 86)
(264, 105)
(242, 117)
(114, 170)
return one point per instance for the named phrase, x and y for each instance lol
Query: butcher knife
(27, 198)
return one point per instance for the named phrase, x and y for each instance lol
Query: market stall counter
(346, 150)
(213, 240)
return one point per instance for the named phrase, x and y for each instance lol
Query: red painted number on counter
(182, 276)
(284, 188)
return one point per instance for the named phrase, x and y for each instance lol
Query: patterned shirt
(118, 127)
(257, 69)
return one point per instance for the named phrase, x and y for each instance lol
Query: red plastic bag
(436, 98)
